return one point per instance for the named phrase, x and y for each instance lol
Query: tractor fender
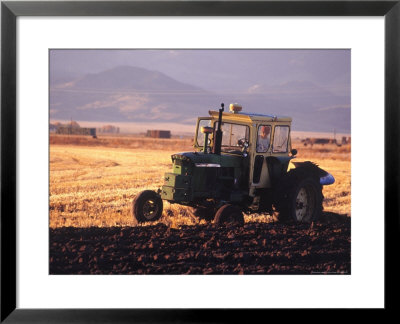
(325, 178)
(282, 159)
(277, 167)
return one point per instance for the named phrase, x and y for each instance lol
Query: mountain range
(133, 94)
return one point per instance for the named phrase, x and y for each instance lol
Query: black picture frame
(10, 10)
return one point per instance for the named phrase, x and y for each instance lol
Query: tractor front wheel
(229, 215)
(206, 213)
(147, 206)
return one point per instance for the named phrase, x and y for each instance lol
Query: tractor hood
(200, 159)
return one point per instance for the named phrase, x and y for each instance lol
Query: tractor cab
(262, 140)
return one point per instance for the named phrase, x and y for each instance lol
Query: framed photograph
(248, 145)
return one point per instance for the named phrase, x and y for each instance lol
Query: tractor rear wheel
(147, 206)
(299, 197)
(229, 215)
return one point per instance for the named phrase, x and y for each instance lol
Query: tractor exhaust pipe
(218, 133)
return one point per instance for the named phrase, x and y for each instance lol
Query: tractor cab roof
(249, 117)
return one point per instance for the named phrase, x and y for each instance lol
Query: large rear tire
(299, 197)
(229, 215)
(147, 206)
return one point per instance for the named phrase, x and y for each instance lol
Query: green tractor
(240, 164)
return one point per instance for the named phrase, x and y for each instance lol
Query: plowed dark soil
(256, 248)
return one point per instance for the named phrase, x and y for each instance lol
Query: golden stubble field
(93, 181)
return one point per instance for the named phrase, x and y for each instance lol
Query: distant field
(93, 181)
(123, 141)
(186, 130)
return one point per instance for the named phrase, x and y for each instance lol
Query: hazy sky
(219, 70)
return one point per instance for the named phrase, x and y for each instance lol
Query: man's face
(265, 131)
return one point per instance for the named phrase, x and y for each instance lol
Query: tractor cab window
(234, 137)
(281, 139)
(200, 135)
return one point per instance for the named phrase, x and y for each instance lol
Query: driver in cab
(263, 140)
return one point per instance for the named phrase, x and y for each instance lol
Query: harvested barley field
(93, 183)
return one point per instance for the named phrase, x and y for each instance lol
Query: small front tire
(205, 213)
(147, 206)
(229, 215)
